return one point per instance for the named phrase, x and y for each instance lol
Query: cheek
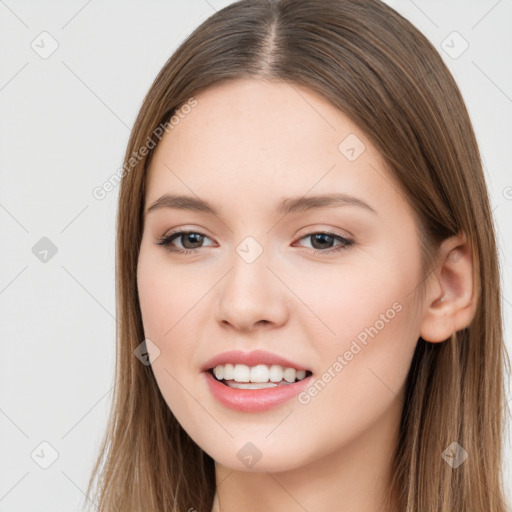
(173, 307)
(365, 313)
(167, 301)
(166, 294)
(343, 301)
(363, 373)
(365, 364)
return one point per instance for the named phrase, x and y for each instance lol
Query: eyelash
(166, 241)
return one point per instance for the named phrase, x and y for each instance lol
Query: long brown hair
(378, 69)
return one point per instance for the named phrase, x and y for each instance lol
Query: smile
(260, 376)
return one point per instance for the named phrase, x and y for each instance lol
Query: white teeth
(289, 374)
(252, 385)
(218, 371)
(242, 373)
(229, 371)
(259, 374)
(276, 373)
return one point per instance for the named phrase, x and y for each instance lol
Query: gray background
(64, 124)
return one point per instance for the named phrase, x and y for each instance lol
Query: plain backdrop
(72, 78)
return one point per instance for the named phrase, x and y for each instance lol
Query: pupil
(191, 236)
(322, 236)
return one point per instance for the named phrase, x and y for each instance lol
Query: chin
(257, 456)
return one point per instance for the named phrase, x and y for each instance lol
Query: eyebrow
(289, 205)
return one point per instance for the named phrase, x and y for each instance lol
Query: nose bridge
(250, 250)
(249, 277)
(250, 292)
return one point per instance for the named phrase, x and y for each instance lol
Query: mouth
(261, 376)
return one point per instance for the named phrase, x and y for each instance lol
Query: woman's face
(329, 286)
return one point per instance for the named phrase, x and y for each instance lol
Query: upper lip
(252, 358)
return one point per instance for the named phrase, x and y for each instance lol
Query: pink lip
(250, 359)
(253, 400)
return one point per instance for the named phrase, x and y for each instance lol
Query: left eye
(322, 238)
(195, 239)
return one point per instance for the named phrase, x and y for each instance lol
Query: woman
(259, 369)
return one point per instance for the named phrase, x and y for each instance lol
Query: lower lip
(254, 400)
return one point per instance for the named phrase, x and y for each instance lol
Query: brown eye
(323, 242)
(190, 241)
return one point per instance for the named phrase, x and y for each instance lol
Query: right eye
(193, 238)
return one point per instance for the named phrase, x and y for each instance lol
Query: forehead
(252, 137)
(260, 116)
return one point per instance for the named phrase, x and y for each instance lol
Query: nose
(251, 296)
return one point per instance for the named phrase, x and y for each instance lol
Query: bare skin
(245, 147)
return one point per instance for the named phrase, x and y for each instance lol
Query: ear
(451, 300)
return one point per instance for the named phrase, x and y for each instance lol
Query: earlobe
(452, 298)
